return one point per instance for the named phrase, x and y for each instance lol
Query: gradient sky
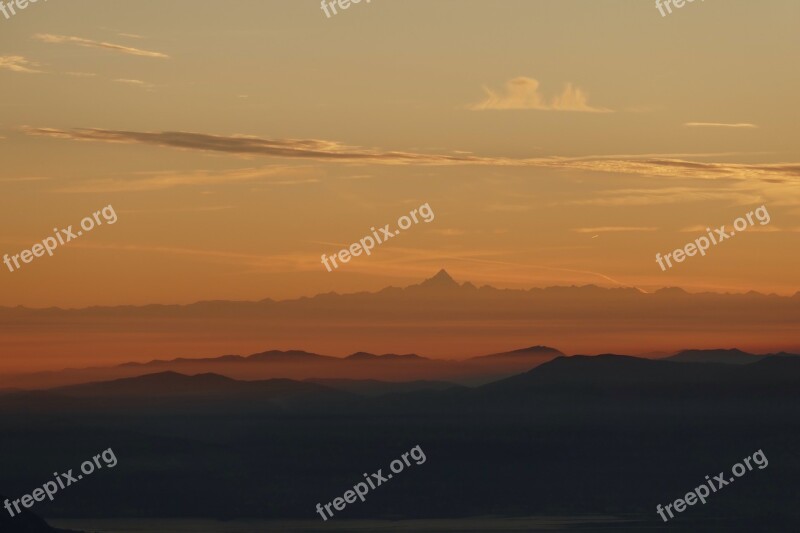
(558, 142)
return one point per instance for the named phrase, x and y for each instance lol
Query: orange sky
(557, 142)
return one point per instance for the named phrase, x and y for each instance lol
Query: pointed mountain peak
(441, 279)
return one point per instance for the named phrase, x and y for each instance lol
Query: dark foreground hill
(606, 435)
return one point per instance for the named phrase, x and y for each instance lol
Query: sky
(557, 143)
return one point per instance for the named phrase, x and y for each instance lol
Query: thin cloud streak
(137, 83)
(80, 41)
(668, 195)
(332, 151)
(158, 181)
(719, 125)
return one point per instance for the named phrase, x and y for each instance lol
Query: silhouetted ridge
(609, 370)
(366, 356)
(730, 356)
(781, 368)
(290, 355)
(522, 353)
(161, 383)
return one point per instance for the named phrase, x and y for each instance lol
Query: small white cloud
(523, 93)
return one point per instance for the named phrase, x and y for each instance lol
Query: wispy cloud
(246, 145)
(156, 181)
(18, 64)
(199, 209)
(613, 229)
(137, 83)
(523, 93)
(719, 125)
(651, 165)
(668, 195)
(80, 41)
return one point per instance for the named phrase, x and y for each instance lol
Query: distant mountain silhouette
(160, 384)
(179, 392)
(610, 370)
(533, 351)
(437, 317)
(175, 384)
(500, 365)
(623, 383)
(732, 357)
(290, 356)
(441, 281)
(360, 366)
(301, 365)
(364, 356)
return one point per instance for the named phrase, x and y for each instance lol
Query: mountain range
(406, 371)
(438, 317)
